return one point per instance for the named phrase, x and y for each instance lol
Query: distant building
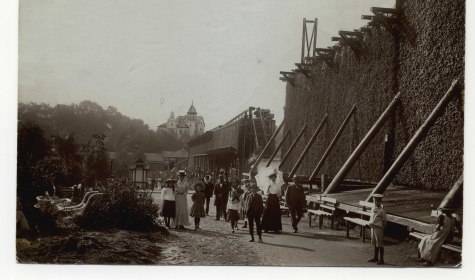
(184, 127)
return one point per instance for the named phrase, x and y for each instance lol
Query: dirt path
(215, 244)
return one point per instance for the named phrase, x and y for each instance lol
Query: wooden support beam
(351, 33)
(307, 147)
(367, 17)
(278, 148)
(292, 146)
(354, 43)
(340, 176)
(379, 17)
(332, 143)
(327, 50)
(336, 39)
(420, 135)
(384, 10)
(259, 158)
(453, 195)
(304, 71)
(287, 73)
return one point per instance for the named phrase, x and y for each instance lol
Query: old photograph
(241, 133)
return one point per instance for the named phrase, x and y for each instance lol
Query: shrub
(121, 206)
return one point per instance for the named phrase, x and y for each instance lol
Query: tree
(97, 160)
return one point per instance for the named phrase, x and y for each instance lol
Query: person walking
(271, 220)
(197, 209)
(429, 246)
(234, 205)
(295, 199)
(208, 191)
(221, 197)
(167, 208)
(377, 222)
(181, 202)
(254, 212)
(245, 201)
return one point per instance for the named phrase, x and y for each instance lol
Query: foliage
(89, 118)
(68, 160)
(121, 206)
(97, 160)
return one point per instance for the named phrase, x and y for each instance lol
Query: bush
(121, 206)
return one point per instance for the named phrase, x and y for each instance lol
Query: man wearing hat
(272, 220)
(208, 191)
(221, 192)
(295, 199)
(254, 212)
(378, 223)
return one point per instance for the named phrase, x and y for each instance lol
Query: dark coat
(295, 196)
(209, 188)
(221, 191)
(256, 205)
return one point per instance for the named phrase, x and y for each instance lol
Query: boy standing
(377, 223)
(254, 212)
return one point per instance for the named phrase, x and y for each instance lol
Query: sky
(149, 57)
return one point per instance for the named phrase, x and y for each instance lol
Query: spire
(192, 110)
(172, 116)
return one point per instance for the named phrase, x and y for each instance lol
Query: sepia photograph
(240, 133)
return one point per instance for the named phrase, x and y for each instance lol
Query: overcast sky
(149, 57)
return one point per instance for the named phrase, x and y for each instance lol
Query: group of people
(234, 202)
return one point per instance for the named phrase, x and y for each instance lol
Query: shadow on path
(288, 246)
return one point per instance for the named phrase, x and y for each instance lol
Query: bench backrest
(366, 204)
(312, 198)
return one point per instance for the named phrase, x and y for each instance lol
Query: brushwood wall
(420, 63)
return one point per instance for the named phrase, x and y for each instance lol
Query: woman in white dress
(181, 201)
(430, 245)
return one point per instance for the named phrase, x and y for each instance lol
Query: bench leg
(320, 221)
(347, 230)
(333, 218)
(309, 219)
(363, 232)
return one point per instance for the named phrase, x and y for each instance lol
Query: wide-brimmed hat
(170, 180)
(182, 173)
(377, 195)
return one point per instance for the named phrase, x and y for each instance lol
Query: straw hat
(181, 173)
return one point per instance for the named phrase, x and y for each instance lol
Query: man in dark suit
(295, 199)
(254, 212)
(221, 197)
(208, 191)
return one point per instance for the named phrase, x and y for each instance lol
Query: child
(254, 212)
(234, 205)
(377, 223)
(244, 201)
(168, 201)
(198, 207)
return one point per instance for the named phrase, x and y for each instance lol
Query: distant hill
(88, 118)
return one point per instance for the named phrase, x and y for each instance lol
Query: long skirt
(430, 245)
(271, 220)
(168, 208)
(181, 206)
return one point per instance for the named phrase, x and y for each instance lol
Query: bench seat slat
(357, 221)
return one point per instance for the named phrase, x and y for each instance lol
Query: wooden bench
(326, 208)
(363, 221)
(450, 247)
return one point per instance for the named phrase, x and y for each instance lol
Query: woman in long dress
(181, 201)
(271, 220)
(430, 245)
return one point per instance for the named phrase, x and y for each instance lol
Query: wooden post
(278, 148)
(332, 143)
(304, 32)
(340, 176)
(420, 135)
(454, 192)
(315, 26)
(284, 158)
(254, 166)
(324, 179)
(307, 148)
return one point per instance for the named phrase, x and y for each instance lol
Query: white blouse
(274, 189)
(167, 194)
